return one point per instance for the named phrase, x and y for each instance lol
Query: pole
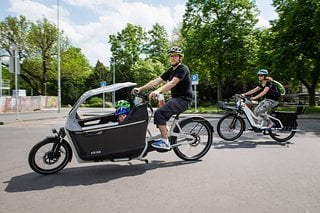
(58, 56)
(195, 98)
(15, 65)
(114, 81)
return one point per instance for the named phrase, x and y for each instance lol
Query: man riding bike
(179, 82)
(266, 89)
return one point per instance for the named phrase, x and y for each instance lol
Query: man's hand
(135, 90)
(153, 94)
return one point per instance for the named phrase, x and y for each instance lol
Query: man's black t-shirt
(183, 88)
(273, 91)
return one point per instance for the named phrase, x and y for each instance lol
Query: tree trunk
(312, 97)
(44, 79)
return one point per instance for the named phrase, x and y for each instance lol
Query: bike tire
(201, 130)
(230, 127)
(43, 161)
(283, 135)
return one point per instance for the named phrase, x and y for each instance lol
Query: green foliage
(219, 39)
(37, 43)
(157, 44)
(100, 73)
(138, 55)
(14, 30)
(126, 48)
(296, 42)
(145, 70)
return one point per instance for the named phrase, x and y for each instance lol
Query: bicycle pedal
(162, 150)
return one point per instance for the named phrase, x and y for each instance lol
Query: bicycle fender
(201, 119)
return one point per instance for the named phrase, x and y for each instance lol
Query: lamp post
(15, 61)
(114, 80)
(58, 56)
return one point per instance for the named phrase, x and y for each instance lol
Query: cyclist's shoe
(160, 144)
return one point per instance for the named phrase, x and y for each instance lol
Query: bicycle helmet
(122, 111)
(176, 50)
(123, 103)
(263, 72)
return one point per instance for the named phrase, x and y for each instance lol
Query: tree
(126, 48)
(157, 44)
(100, 73)
(14, 30)
(42, 44)
(219, 39)
(145, 70)
(296, 43)
(37, 43)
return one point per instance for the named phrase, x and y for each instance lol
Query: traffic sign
(103, 83)
(195, 79)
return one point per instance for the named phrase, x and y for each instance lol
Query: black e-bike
(98, 138)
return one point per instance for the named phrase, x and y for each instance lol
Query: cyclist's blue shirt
(183, 88)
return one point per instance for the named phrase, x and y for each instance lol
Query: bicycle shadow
(248, 144)
(88, 175)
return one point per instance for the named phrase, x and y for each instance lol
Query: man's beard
(176, 64)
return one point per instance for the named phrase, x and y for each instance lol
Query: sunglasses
(260, 75)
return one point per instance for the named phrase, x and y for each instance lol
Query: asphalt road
(252, 174)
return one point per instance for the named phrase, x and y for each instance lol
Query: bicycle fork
(234, 121)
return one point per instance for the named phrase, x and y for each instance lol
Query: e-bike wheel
(49, 156)
(283, 135)
(230, 127)
(201, 132)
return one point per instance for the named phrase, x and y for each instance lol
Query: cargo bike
(99, 138)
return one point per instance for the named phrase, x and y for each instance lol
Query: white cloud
(262, 22)
(107, 17)
(88, 24)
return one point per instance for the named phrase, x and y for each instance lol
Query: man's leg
(162, 115)
(163, 131)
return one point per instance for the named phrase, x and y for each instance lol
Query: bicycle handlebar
(245, 99)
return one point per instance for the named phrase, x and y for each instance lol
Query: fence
(27, 103)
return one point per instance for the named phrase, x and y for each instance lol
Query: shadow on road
(88, 175)
(247, 144)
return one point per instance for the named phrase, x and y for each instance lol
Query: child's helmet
(122, 111)
(122, 103)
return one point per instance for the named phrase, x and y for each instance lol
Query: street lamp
(15, 56)
(114, 79)
(58, 56)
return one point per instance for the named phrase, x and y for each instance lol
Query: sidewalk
(53, 113)
(11, 117)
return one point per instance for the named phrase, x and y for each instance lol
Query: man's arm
(261, 94)
(168, 86)
(150, 84)
(252, 91)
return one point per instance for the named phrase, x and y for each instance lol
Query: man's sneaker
(160, 144)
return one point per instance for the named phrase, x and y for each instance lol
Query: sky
(88, 23)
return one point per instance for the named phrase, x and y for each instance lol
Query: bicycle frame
(181, 135)
(253, 120)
